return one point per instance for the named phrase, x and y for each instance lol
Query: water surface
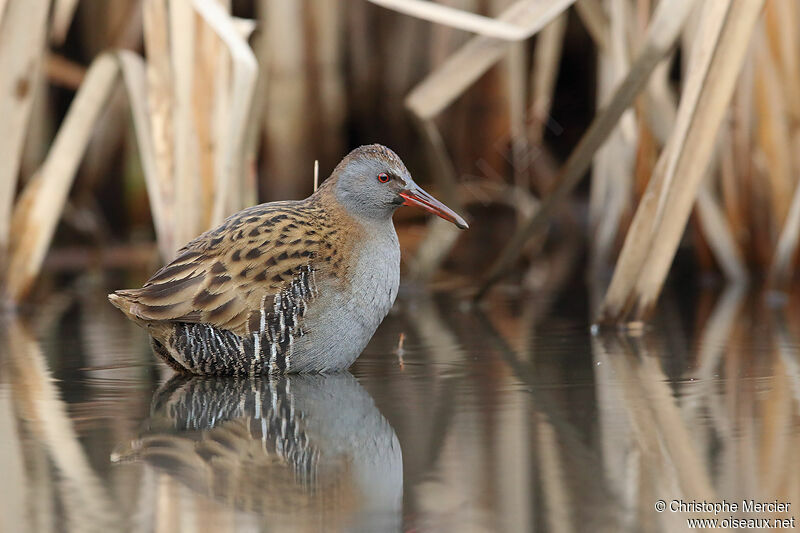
(508, 417)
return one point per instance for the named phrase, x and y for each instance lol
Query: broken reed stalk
(465, 66)
(151, 92)
(440, 88)
(595, 21)
(200, 114)
(664, 29)
(41, 202)
(22, 41)
(457, 18)
(660, 219)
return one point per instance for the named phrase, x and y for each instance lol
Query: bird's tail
(127, 302)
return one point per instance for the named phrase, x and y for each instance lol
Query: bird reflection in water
(298, 450)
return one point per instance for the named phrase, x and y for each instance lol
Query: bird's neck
(373, 221)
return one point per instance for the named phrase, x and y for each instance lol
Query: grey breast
(342, 322)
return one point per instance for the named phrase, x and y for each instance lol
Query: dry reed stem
(405, 36)
(40, 204)
(640, 235)
(782, 18)
(232, 137)
(660, 106)
(208, 73)
(463, 67)
(720, 238)
(456, 18)
(41, 128)
(61, 19)
(544, 74)
(247, 190)
(134, 75)
(244, 27)
(594, 20)
(772, 131)
(485, 192)
(689, 166)
(780, 271)
(286, 109)
(63, 72)
(328, 25)
(467, 64)
(187, 217)
(731, 197)
(661, 111)
(664, 29)
(22, 42)
(160, 105)
(256, 122)
(612, 171)
(658, 225)
(743, 120)
(516, 87)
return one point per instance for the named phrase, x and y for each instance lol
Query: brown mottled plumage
(238, 298)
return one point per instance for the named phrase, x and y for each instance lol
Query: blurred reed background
(135, 121)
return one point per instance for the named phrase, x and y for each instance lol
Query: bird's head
(372, 182)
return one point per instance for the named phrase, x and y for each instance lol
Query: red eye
(383, 177)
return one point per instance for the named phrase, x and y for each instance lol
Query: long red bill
(419, 197)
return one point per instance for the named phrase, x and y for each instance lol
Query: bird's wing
(231, 276)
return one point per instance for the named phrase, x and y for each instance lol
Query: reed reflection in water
(511, 417)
